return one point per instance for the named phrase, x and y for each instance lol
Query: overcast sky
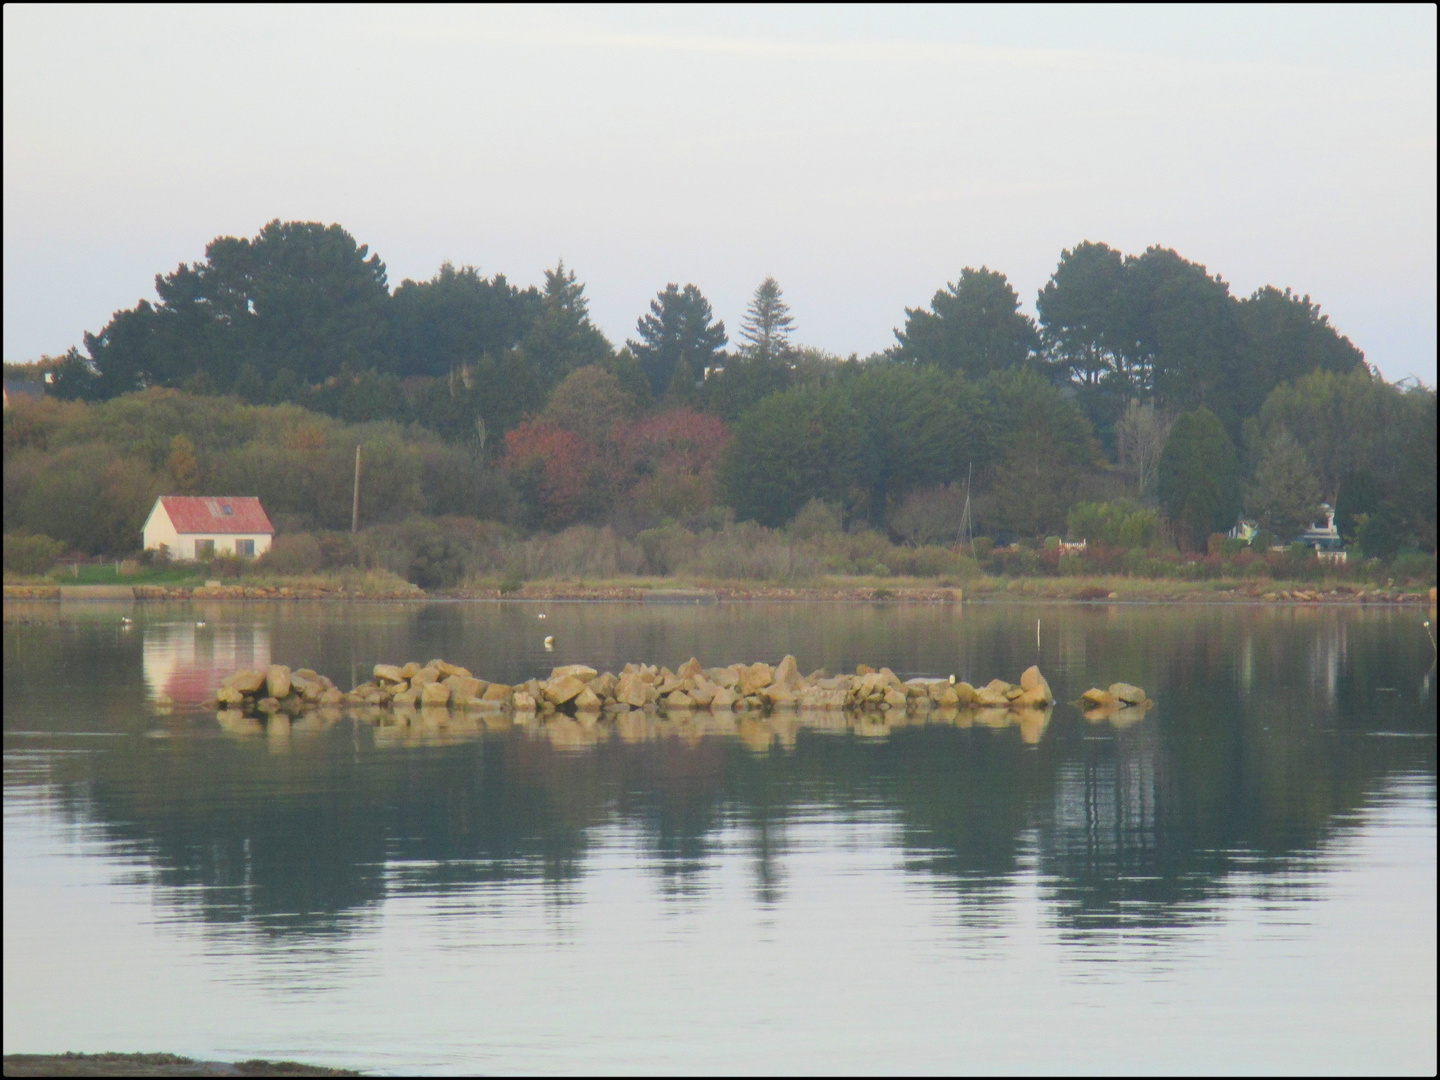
(861, 156)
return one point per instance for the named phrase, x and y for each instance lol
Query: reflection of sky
(185, 662)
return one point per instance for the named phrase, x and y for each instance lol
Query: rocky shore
(1015, 590)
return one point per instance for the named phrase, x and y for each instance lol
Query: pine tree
(767, 325)
(1285, 496)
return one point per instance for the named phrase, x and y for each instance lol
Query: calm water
(1243, 880)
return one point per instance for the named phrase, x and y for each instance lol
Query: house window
(245, 549)
(204, 549)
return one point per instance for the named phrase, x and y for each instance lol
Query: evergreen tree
(562, 338)
(1199, 485)
(767, 325)
(677, 333)
(974, 326)
(1284, 496)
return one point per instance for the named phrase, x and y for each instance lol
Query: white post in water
(1037, 635)
(355, 505)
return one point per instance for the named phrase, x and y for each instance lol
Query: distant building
(1322, 535)
(189, 527)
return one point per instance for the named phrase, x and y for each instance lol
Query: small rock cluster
(1120, 695)
(576, 688)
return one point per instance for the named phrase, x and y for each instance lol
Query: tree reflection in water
(1263, 739)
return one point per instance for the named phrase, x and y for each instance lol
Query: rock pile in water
(576, 688)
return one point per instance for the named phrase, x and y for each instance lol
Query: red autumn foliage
(681, 442)
(556, 469)
(662, 465)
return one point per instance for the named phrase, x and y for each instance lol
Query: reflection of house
(201, 527)
(185, 662)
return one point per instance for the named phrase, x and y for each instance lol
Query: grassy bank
(376, 585)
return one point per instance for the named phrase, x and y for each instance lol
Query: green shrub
(295, 553)
(1415, 567)
(31, 554)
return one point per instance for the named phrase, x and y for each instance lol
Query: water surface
(1244, 880)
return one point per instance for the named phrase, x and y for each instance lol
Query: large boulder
(1130, 695)
(277, 680)
(229, 695)
(755, 678)
(574, 671)
(689, 669)
(587, 700)
(987, 696)
(632, 689)
(434, 693)
(391, 673)
(1034, 690)
(563, 689)
(423, 676)
(447, 670)
(787, 675)
(246, 680)
(724, 699)
(1099, 699)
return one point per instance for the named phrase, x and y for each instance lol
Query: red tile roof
(216, 514)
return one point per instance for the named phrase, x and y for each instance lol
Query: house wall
(184, 545)
(160, 532)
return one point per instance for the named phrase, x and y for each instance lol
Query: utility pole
(355, 506)
(966, 534)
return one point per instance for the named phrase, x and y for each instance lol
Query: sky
(861, 155)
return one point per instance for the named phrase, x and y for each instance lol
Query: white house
(202, 526)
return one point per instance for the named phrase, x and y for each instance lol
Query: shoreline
(1095, 591)
(123, 1064)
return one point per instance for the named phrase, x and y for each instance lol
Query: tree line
(1142, 378)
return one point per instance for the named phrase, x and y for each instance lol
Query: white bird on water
(541, 615)
(549, 644)
(200, 625)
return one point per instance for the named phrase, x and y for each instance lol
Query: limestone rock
(277, 680)
(268, 705)
(632, 689)
(463, 686)
(1130, 695)
(724, 699)
(787, 675)
(986, 696)
(434, 693)
(448, 670)
(678, 699)
(755, 678)
(895, 698)
(390, 673)
(966, 693)
(496, 692)
(1031, 681)
(563, 689)
(404, 699)
(603, 685)
(1101, 699)
(229, 695)
(423, 676)
(247, 681)
(689, 669)
(524, 702)
(573, 671)
(587, 700)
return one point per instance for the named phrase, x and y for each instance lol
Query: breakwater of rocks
(396, 692)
